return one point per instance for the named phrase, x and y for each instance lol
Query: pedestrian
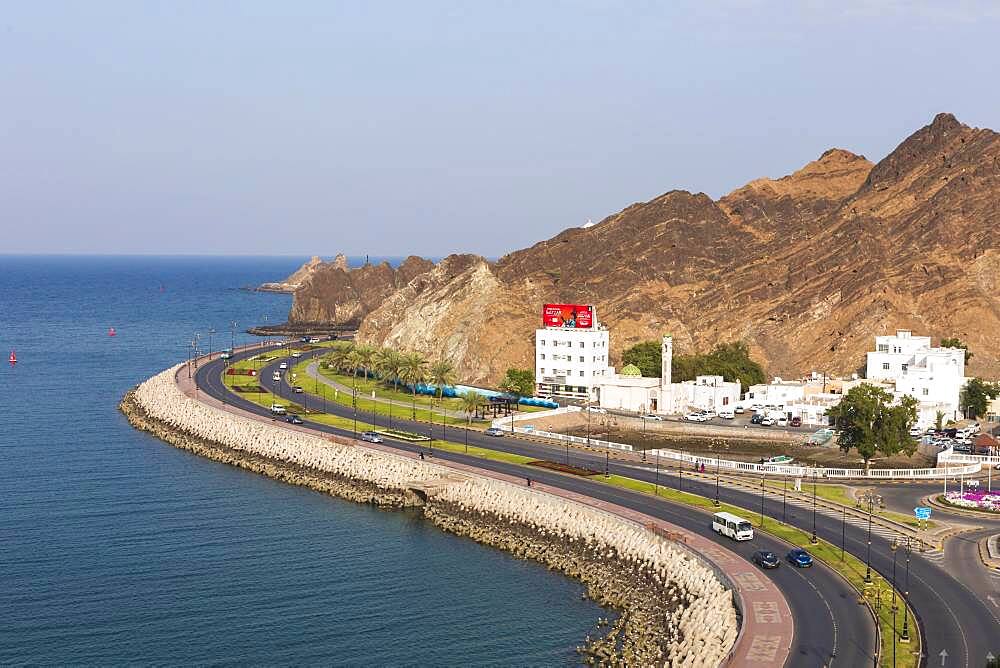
(529, 481)
(421, 454)
(703, 467)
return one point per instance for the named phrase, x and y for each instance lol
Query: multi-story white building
(571, 362)
(932, 376)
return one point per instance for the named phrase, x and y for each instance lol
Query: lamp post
(232, 341)
(717, 504)
(762, 477)
(680, 476)
(843, 533)
(211, 331)
(586, 407)
(354, 404)
(814, 540)
(905, 637)
(894, 546)
(869, 498)
(784, 493)
(656, 476)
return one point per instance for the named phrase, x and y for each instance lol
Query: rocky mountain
(332, 293)
(297, 279)
(806, 268)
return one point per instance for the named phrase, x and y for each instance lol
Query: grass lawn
(841, 494)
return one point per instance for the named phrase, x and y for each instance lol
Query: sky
(317, 127)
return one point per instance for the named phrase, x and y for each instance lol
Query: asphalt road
(831, 627)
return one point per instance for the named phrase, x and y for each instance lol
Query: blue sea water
(117, 548)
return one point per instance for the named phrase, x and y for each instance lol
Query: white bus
(730, 525)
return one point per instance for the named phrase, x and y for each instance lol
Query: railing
(712, 463)
(505, 421)
(948, 455)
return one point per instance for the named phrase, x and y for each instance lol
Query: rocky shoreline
(672, 608)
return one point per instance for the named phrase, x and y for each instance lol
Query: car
(276, 376)
(297, 389)
(709, 414)
(766, 559)
(596, 409)
(278, 409)
(283, 365)
(726, 414)
(755, 407)
(767, 421)
(371, 437)
(293, 419)
(782, 421)
(494, 431)
(739, 410)
(799, 558)
(756, 418)
(313, 339)
(296, 354)
(795, 422)
(916, 432)
(696, 417)
(650, 416)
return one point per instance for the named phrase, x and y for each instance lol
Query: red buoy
(111, 331)
(13, 358)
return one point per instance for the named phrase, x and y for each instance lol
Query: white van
(276, 376)
(278, 409)
(730, 525)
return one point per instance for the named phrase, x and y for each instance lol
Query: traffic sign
(922, 512)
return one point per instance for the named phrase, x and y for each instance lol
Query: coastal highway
(831, 627)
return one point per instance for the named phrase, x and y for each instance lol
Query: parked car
(297, 389)
(756, 418)
(795, 422)
(916, 432)
(296, 354)
(782, 421)
(371, 437)
(283, 365)
(766, 559)
(767, 421)
(799, 558)
(727, 414)
(494, 431)
(709, 414)
(739, 410)
(650, 416)
(696, 417)
(278, 409)
(294, 419)
(596, 409)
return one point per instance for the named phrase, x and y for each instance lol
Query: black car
(756, 418)
(766, 559)
(293, 419)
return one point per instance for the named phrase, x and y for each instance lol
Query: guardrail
(770, 469)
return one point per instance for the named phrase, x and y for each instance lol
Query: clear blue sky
(426, 127)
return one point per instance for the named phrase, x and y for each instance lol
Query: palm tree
(388, 363)
(413, 371)
(354, 361)
(442, 374)
(338, 357)
(367, 356)
(471, 401)
(394, 367)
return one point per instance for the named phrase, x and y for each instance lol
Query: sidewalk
(768, 630)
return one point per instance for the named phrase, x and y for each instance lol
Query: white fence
(712, 463)
(533, 415)
(949, 456)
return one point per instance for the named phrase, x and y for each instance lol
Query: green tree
(957, 343)
(366, 355)
(871, 423)
(471, 402)
(519, 382)
(354, 361)
(442, 374)
(976, 394)
(337, 358)
(939, 420)
(732, 361)
(647, 355)
(413, 370)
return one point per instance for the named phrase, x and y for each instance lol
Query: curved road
(831, 627)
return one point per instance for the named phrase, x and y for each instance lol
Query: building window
(581, 344)
(883, 347)
(581, 358)
(542, 342)
(885, 366)
(926, 392)
(581, 372)
(542, 370)
(543, 355)
(581, 389)
(904, 367)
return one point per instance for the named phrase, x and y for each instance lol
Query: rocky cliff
(806, 268)
(297, 279)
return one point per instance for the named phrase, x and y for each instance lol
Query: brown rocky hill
(806, 268)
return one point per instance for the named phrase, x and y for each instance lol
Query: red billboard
(571, 316)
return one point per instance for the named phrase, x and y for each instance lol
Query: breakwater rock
(673, 608)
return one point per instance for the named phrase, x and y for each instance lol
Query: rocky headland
(806, 268)
(673, 610)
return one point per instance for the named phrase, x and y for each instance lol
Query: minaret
(666, 391)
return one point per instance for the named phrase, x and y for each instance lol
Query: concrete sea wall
(673, 609)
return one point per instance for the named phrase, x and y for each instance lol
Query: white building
(571, 362)
(630, 391)
(933, 376)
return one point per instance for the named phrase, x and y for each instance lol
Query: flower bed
(974, 500)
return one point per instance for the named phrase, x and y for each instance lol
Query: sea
(116, 548)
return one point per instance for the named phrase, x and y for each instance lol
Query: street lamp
(656, 476)
(211, 331)
(784, 492)
(869, 498)
(717, 504)
(894, 546)
(905, 637)
(814, 540)
(762, 477)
